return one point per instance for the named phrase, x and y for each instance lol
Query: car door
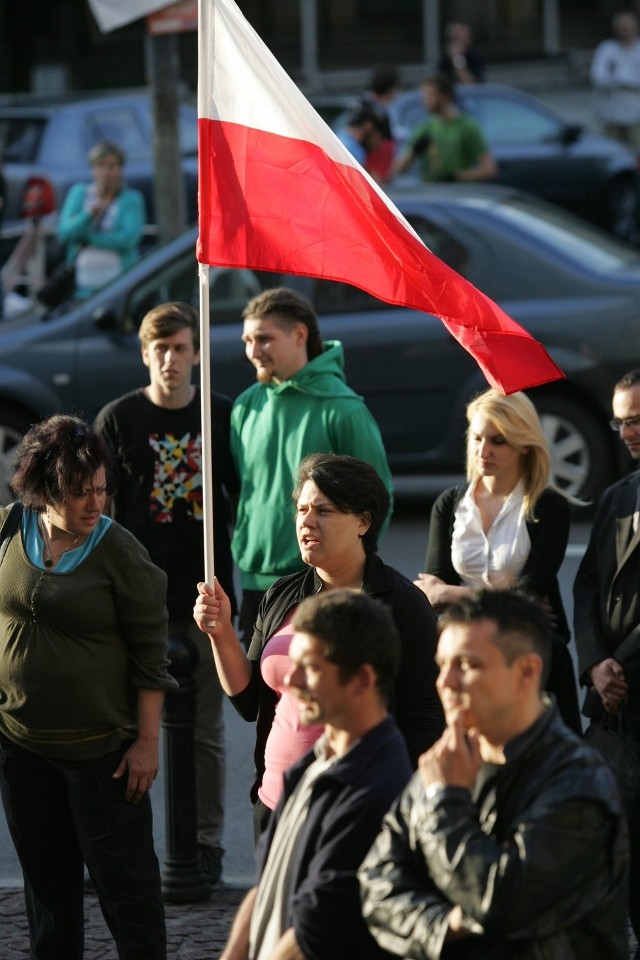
(534, 149)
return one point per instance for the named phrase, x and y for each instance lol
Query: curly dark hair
(57, 457)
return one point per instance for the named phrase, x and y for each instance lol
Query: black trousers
(63, 814)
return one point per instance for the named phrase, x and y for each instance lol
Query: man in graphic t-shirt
(155, 435)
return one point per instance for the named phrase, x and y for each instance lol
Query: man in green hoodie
(301, 404)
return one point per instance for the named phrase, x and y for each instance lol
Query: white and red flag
(279, 191)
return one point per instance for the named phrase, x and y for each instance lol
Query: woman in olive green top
(83, 670)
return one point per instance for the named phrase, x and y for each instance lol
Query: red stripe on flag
(275, 203)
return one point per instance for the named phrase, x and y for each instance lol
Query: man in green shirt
(450, 143)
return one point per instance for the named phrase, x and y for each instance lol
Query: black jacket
(537, 859)
(416, 705)
(346, 809)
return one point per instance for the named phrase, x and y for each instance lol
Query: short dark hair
(352, 485)
(166, 319)
(292, 308)
(368, 113)
(629, 380)
(384, 79)
(522, 625)
(441, 82)
(55, 458)
(355, 629)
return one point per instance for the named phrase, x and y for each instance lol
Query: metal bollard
(182, 881)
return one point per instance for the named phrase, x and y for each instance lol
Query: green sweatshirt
(273, 427)
(75, 647)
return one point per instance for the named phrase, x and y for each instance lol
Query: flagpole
(205, 406)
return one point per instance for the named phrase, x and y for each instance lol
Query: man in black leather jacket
(509, 842)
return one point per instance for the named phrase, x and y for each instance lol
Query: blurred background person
(101, 223)
(615, 76)
(449, 143)
(508, 528)
(363, 135)
(83, 660)
(341, 504)
(384, 88)
(461, 61)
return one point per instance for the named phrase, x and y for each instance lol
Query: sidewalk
(194, 931)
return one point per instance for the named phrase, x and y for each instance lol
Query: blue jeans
(62, 814)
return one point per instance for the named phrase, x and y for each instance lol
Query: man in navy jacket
(344, 657)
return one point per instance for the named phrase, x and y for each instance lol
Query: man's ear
(364, 679)
(531, 667)
(301, 332)
(145, 355)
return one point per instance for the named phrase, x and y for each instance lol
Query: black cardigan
(415, 705)
(549, 535)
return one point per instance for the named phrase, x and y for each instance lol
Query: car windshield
(591, 248)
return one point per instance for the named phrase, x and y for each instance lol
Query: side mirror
(106, 318)
(571, 134)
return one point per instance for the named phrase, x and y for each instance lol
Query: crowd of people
(422, 786)
(422, 783)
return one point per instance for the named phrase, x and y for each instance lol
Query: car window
(446, 247)
(121, 125)
(178, 280)
(506, 121)
(570, 236)
(20, 138)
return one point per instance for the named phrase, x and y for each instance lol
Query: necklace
(50, 558)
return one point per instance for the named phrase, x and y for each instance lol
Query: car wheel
(581, 460)
(13, 426)
(623, 209)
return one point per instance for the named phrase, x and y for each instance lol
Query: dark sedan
(537, 150)
(574, 287)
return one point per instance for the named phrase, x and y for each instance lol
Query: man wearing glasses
(607, 621)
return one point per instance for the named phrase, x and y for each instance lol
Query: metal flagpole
(207, 439)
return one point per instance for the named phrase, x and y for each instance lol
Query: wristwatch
(459, 60)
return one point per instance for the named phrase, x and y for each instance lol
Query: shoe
(210, 864)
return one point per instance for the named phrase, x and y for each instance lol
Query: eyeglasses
(617, 424)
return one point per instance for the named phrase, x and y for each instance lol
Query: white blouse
(494, 559)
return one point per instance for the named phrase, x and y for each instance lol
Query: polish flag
(279, 192)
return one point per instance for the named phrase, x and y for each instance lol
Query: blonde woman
(508, 527)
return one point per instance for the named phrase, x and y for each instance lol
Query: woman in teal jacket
(101, 222)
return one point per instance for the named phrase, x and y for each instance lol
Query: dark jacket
(415, 702)
(347, 805)
(606, 594)
(549, 535)
(536, 858)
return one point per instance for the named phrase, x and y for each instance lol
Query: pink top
(288, 739)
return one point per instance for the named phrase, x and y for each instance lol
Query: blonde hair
(517, 420)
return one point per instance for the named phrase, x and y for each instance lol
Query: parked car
(574, 287)
(44, 148)
(537, 150)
